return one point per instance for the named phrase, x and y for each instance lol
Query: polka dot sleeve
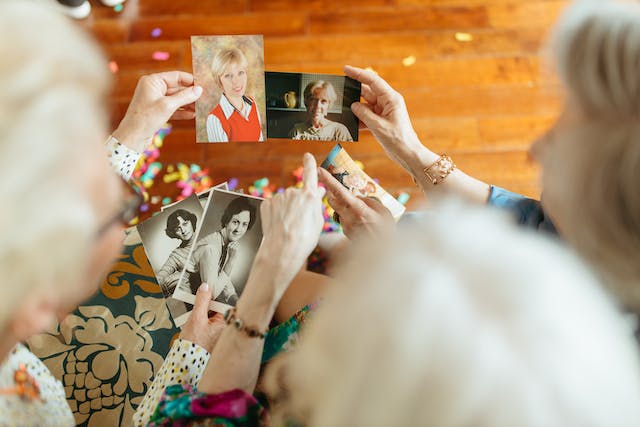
(122, 158)
(184, 364)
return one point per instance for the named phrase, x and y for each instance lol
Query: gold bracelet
(439, 170)
(230, 318)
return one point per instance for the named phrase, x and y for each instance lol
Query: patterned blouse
(181, 372)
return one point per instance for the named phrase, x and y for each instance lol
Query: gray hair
(597, 46)
(54, 82)
(463, 320)
(320, 84)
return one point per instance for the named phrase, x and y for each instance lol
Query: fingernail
(197, 90)
(204, 287)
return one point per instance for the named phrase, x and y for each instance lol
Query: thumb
(201, 305)
(365, 114)
(375, 204)
(185, 96)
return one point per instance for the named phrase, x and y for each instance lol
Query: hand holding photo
(311, 106)
(231, 71)
(345, 170)
(226, 244)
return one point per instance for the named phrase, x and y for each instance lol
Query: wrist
(417, 158)
(130, 138)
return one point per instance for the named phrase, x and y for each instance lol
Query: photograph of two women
(242, 102)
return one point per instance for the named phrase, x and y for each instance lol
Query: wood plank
(459, 72)
(109, 31)
(514, 132)
(148, 8)
(351, 49)
(139, 57)
(504, 100)
(315, 5)
(182, 28)
(539, 14)
(373, 49)
(383, 20)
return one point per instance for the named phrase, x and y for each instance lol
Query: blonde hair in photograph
(54, 82)
(223, 58)
(597, 47)
(462, 320)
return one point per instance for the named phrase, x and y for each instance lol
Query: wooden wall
(482, 101)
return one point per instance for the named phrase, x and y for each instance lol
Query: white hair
(465, 320)
(51, 107)
(597, 46)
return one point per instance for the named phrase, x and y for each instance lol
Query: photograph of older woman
(229, 112)
(319, 97)
(225, 248)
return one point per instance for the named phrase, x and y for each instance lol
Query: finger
(377, 84)
(265, 215)
(176, 78)
(184, 97)
(368, 95)
(201, 306)
(375, 204)
(183, 115)
(339, 197)
(365, 113)
(309, 172)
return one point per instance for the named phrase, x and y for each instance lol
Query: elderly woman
(53, 125)
(475, 334)
(236, 117)
(319, 96)
(590, 158)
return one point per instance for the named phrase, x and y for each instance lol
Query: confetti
(118, 8)
(403, 198)
(409, 61)
(160, 55)
(113, 66)
(232, 184)
(464, 37)
(156, 32)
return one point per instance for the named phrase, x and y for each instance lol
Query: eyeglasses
(127, 212)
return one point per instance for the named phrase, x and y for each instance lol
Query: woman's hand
(200, 328)
(386, 115)
(358, 215)
(158, 98)
(292, 222)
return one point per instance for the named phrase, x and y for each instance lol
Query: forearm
(416, 157)
(237, 356)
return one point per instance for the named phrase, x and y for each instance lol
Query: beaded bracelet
(230, 318)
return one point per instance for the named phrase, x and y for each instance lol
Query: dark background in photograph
(249, 243)
(156, 243)
(280, 118)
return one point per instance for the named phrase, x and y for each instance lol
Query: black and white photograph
(313, 107)
(224, 249)
(202, 196)
(167, 239)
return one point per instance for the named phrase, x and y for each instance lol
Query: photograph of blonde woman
(231, 71)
